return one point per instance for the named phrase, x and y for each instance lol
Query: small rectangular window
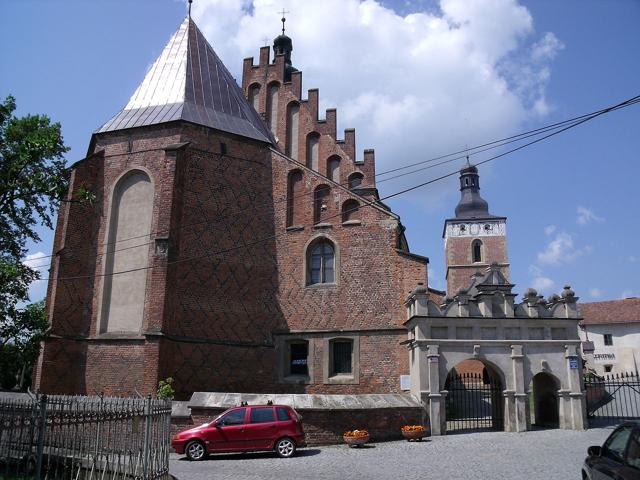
(262, 415)
(223, 148)
(298, 356)
(342, 350)
(283, 414)
(608, 339)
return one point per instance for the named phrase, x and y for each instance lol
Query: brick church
(237, 243)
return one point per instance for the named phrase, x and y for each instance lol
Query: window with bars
(298, 358)
(341, 357)
(608, 339)
(321, 262)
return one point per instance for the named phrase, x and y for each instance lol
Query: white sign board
(604, 358)
(405, 382)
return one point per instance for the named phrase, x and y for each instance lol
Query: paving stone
(537, 455)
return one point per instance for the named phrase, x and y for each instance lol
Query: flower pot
(356, 441)
(414, 434)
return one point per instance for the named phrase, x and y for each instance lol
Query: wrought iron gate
(612, 398)
(473, 403)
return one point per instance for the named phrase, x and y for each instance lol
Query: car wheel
(195, 450)
(285, 447)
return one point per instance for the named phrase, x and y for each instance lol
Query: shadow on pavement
(307, 452)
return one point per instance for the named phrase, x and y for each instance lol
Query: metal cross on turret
(283, 19)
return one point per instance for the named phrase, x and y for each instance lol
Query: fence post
(147, 438)
(41, 431)
(99, 430)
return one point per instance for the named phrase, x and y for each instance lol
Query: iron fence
(84, 438)
(473, 402)
(612, 398)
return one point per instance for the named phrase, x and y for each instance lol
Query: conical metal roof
(188, 81)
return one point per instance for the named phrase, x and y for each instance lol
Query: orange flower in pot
(414, 432)
(355, 438)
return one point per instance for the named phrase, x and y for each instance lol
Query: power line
(517, 137)
(538, 131)
(626, 103)
(467, 152)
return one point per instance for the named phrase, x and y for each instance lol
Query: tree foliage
(20, 338)
(33, 181)
(33, 176)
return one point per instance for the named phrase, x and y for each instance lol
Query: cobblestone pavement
(544, 455)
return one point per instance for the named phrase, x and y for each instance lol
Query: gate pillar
(515, 411)
(435, 398)
(572, 400)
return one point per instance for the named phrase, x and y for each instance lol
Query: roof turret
(471, 204)
(283, 45)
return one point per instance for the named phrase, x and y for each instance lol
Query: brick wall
(460, 265)
(268, 73)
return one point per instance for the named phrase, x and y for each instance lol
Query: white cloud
(541, 283)
(586, 216)
(37, 261)
(632, 258)
(630, 293)
(546, 48)
(414, 85)
(548, 230)
(595, 292)
(561, 249)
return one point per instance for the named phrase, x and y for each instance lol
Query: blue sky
(416, 79)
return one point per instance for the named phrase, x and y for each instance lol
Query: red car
(244, 429)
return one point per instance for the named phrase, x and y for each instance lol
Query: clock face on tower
(476, 229)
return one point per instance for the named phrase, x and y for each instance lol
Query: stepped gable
(274, 88)
(188, 81)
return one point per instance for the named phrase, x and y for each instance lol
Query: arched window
(123, 295)
(355, 180)
(313, 145)
(272, 106)
(333, 168)
(321, 203)
(293, 117)
(476, 250)
(350, 210)
(294, 192)
(254, 96)
(321, 262)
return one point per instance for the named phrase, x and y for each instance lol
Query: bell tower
(474, 238)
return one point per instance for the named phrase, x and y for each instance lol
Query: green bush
(165, 390)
